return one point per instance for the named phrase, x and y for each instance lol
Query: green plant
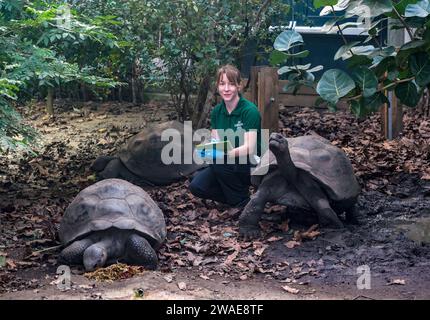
(13, 134)
(375, 68)
(298, 75)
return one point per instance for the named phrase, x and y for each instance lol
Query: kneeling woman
(228, 179)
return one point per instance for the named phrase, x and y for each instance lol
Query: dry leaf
(260, 251)
(274, 238)
(291, 244)
(291, 290)
(179, 262)
(232, 256)
(398, 282)
(10, 264)
(309, 234)
(182, 286)
(284, 226)
(204, 277)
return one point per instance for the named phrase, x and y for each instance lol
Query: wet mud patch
(391, 241)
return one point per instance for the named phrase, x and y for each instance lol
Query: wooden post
(253, 84)
(392, 115)
(264, 93)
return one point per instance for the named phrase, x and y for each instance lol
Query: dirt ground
(203, 258)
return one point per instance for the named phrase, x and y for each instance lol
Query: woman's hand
(248, 147)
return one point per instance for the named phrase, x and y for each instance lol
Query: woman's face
(228, 91)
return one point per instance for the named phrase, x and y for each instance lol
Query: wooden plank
(306, 101)
(396, 114)
(302, 90)
(397, 117)
(396, 38)
(267, 98)
(253, 84)
(290, 100)
(281, 85)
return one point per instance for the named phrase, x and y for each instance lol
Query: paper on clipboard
(218, 145)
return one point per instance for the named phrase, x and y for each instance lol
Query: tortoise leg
(271, 188)
(251, 215)
(140, 252)
(307, 187)
(74, 253)
(116, 169)
(351, 215)
(100, 163)
(112, 169)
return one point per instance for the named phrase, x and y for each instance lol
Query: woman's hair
(232, 73)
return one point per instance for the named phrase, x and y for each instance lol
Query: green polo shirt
(244, 117)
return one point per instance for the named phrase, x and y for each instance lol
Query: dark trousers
(226, 183)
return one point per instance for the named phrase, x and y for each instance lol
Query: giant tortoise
(140, 160)
(109, 221)
(306, 173)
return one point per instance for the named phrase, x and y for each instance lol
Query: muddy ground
(203, 257)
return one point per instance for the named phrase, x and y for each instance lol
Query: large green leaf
(408, 93)
(341, 5)
(420, 9)
(366, 106)
(322, 3)
(344, 49)
(334, 84)
(356, 61)
(279, 57)
(316, 68)
(345, 53)
(287, 40)
(373, 103)
(330, 24)
(359, 108)
(401, 6)
(366, 81)
(412, 45)
(420, 67)
(356, 108)
(297, 67)
(369, 8)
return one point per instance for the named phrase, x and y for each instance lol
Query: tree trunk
(50, 101)
(203, 103)
(120, 93)
(84, 92)
(133, 84)
(141, 91)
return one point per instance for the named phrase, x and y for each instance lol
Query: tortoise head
(94, 257)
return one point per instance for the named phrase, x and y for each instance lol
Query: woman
(237, 120)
